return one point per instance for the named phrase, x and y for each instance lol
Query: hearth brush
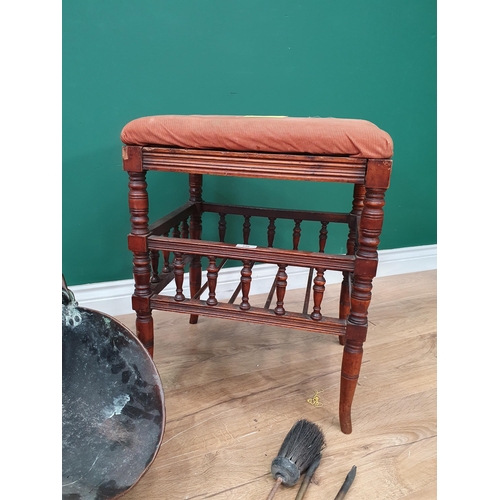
(300, 448)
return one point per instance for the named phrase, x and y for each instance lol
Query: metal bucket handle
(73, 316)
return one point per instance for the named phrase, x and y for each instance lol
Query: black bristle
(301, 446)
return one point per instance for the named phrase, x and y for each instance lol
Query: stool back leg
(345, 290)
(195, 189)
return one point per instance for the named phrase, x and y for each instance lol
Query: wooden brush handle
(347, 484)
(279, 480)
(307, 478)
(303, 488)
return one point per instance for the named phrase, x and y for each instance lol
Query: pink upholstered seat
(317, 136)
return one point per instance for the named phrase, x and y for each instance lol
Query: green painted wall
(123, 59)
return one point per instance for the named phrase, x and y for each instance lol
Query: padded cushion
(330, 136)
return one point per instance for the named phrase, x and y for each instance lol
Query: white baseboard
(114, 297)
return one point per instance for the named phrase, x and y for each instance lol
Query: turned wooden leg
(351, 365)
(138, 205)
(195, 184)
(365, 268)
(345, 290)
(140, 300)
(145, 329)
(345, 294)
(357, 327)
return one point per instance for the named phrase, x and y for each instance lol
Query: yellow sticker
(315, 400)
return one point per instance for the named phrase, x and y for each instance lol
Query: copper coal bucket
(113, 412)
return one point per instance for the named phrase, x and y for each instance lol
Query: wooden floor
(233, 390)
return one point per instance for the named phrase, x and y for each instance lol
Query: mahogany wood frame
(370, 178)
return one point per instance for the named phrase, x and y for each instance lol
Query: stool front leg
(351, 365)
(357, 327)
(144, 322)
(365, 268)
(139, 206)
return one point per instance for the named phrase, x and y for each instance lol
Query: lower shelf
(331, 326)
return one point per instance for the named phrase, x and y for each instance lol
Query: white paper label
(241, 245)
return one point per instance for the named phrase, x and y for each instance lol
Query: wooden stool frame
(178, 234)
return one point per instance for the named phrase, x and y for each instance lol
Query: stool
(305, 149)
